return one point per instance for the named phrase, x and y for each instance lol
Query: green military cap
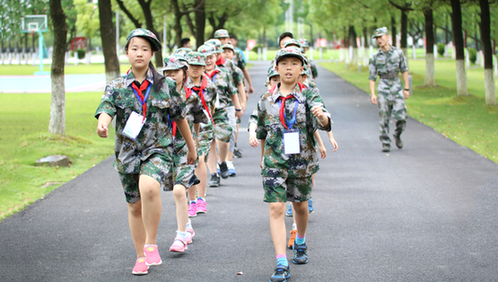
(146, 34)
(304, 43)
(379, 32)
(228, 46)
(182, 51)
(216, 43)
(272, 71)
(289, 52)
(221, 33)
(207, 49)
(292, 42)
(196, 59)
(174, 62)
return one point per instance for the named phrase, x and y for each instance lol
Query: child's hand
(102, 130)
(253, 141)
(323, 151)
(238, 114)
(334, 143)
(318, 113)
(191, 156)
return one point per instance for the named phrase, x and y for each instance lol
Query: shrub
(472, 55)
(81, 53)
(440, 49)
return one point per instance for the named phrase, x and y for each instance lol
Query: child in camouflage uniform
(387, 62)
(286, 119)
(176, 67)
(143, 103)
(314, 71)
(199, 84)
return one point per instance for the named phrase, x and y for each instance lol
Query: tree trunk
(393, 30)
(489, 82)
(58, 104)
(404, 36)
(352, 40)
(178, 22)
(200, 21)
(108, 36)
(456, 26)
(430, 75)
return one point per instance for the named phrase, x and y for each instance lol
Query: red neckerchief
(210, 75)
(200, 91)
(301, 86)
(282, 109)
(141, 95)
(221, 61)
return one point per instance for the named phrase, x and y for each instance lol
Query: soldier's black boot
(399, 143)
(386, 147)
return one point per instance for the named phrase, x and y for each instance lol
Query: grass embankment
(466, 120)
(24, 139)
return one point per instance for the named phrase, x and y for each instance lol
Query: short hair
(233, 36)
(184, 41)
(285, 34)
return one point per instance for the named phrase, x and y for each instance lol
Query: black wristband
(407, 89)
(238, 110)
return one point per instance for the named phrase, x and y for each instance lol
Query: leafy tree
(108, 37)
(87, 21)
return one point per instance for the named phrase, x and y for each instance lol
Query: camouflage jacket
(235, 72)
(269, 127)
(383, 63)
(239, 60)
(225, 87)
(210, 96)
(120, 101)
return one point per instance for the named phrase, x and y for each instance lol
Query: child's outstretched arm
(253, 141)
(187, 135)
(323, 119)
(103, 122)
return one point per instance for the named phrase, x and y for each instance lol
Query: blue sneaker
(300, 253)
(310, 206)
(281, 274)
(289, 211)
(231, 169)
(218, 168)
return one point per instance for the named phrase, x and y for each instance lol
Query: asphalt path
(427, 212)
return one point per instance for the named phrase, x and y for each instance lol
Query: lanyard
(283, 119)
(140, 96)
(202, 90)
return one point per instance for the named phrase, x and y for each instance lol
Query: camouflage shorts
(222, 130)
(232, 120)
(184, 173)
(283, 189)
(206, 137)
(156, 167)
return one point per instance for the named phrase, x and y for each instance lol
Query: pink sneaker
(141, 267)
(190, 235)
(201, 206)
(192, 210)
(179, 245)
(152, 256)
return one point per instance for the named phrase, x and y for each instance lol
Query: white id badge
(291, 143)
(133, 125)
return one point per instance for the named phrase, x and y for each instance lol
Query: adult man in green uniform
(387, 62)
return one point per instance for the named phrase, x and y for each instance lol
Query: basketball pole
(40, 54)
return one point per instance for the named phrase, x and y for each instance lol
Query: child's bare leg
(277, 227)
(181, 207)
(201, 172)
(223, 150)
(151, 206)
(211, 162)
(301, 216)
(137, 229)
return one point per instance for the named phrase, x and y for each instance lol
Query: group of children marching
(173, 125)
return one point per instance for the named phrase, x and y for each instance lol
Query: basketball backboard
(34, 23)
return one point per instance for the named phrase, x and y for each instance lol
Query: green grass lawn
(68, 69)
(24, 139)
(466, 120)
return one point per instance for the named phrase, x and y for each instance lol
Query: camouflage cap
(272, 71)
(216, 43)
(182, 51)
(306, 71)
(221, 33)
(196, 59)
(228, 46)
(292, 42)
(304, 43)
(379, 32)
(174, 62)
(289, 52)
(146, 34)
(207, 49)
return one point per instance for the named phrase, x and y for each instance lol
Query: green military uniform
(388, 65)
(150, 153)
